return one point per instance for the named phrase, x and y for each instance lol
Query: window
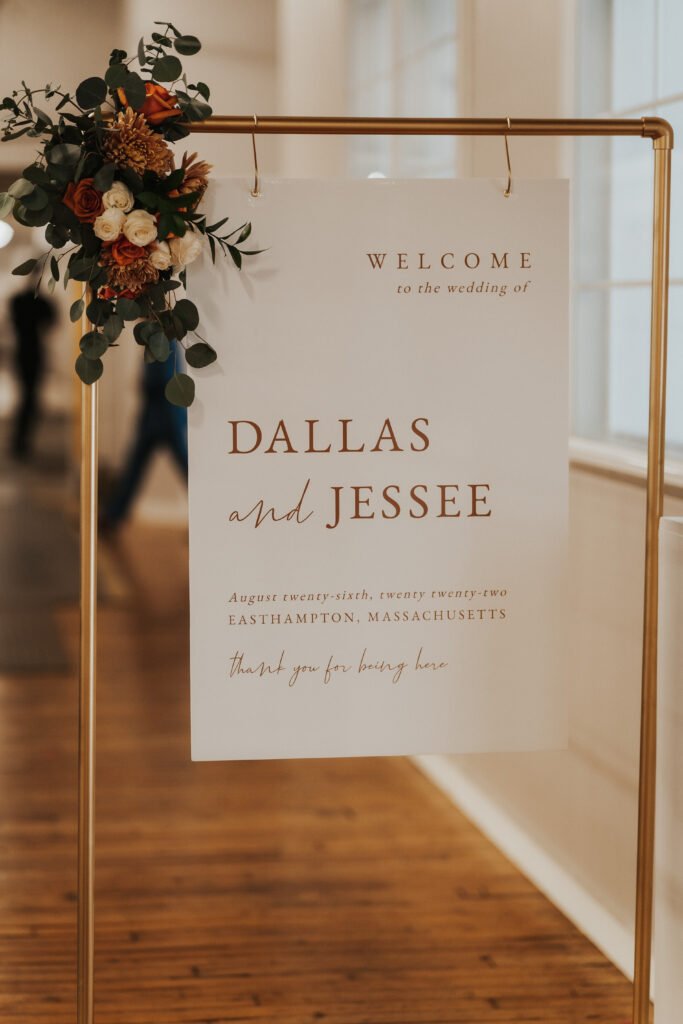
(402, 63)
(628, 65)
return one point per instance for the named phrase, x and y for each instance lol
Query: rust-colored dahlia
(132, 275)
(130, 142)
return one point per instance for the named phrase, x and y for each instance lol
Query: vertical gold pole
(655, 491)
(86, 726)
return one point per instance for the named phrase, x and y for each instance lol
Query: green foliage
(6, 204)
(104, 178)
(187, 45)
(200, 354)
(89, 370)
(91, 93)
(167, 69)
(93, 344)
(128, 309)
(25, 268)
(56, 192)
(180, 390)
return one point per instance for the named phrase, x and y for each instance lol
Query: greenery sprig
(118, 215)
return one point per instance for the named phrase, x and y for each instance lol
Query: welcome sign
(378, 473)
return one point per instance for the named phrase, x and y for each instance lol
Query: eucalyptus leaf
(64, 153)
(128, 309)
(180, 390)
(113, 327)
(104, 177)
(187, 45)
(89, 370)
(200, 354)
(99, 311)
(35, 200)
(188, 314)
(91, 93)
(167, 68)
(76, 311)
(115, 76)
(143, 331)
(93, 344)
(32, 218)
(6, 205)
(56, 235)
(42, 117)
(159, 345)
(20, 188)
(25, 268)
(36, 174)
(134, 88)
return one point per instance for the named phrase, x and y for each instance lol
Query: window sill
(622, 463)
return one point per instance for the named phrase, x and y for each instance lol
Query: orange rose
(159, 105)
(124, 252)
(84, 200)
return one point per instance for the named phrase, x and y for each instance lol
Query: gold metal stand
(86, 716)
(661, 134)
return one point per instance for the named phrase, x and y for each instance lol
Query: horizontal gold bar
(655, 128)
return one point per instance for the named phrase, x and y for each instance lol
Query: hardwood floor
(341, 891)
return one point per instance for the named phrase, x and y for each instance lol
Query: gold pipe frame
(661, 134)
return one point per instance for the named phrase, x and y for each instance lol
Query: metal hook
(256, 190)
(508, 190)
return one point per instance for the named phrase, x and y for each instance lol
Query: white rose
(119, 197)
(140, 227)
(160, 257)
(185, 250)
(108, 225)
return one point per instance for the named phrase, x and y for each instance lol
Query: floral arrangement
(118, 214)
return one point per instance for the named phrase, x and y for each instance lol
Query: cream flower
(108, 225)
(185, 249)
(119, 197)
(160, 257)
(140, 227)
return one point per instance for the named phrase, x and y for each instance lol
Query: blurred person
(32, 315)
(160, 425)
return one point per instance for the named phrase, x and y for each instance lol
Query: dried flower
(130, 142)
(196, 177)
(128, 265)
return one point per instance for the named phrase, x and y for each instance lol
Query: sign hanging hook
(255, 190)
(508, 190)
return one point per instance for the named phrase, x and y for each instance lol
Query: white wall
(311, 63)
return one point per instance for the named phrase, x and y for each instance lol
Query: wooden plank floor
(341, 891)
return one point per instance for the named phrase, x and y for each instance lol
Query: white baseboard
(590, 917)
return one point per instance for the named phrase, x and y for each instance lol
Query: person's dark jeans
(161, 425)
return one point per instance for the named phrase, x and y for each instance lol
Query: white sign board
(378, 472)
